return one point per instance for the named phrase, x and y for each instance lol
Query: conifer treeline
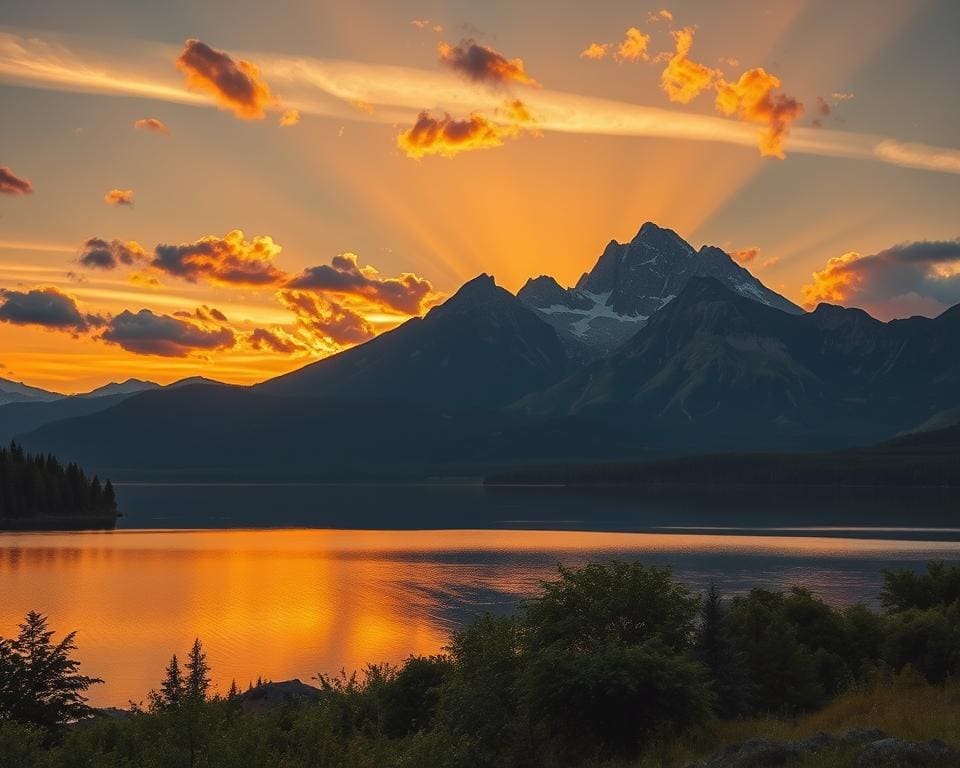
(37, 486)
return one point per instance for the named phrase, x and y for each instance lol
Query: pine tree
(39, 681)
(198, 673)
(234, 691)
(715, 648)
(173, 688)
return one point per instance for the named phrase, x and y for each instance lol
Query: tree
(39, 681)
(715, 649)
(173, 688)
(198, 673)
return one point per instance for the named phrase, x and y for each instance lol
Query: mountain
(240, 433)
(716, 371)
(17, 392)
(482, 348)
(631, 281)
(128, 387)
(24, 416)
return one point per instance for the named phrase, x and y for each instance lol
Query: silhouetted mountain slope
(17, 392)
(631, 281)
(235, 433)
(20, 417)
(713, 370)
(482, 348)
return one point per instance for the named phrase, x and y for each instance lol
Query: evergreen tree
(173, 688)
(39, 681)
(714, 648)
(198, 673)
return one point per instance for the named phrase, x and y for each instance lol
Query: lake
(289, 581)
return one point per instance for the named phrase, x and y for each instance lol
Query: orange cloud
(420, 23)
(517, 112)
(447, 137)
(910, 278)
(344, 277)
(834, 283)
(236, 85)
(662, 15)
(483, 64)
(11, 184)
(227, 260)
(327, 323)
(151, 124)
(595, 51)
(752, 99)
(290, 117)
(119, 197)
(683, 79)
(277, 340)
(839, 96)
(745, 255)
(633, 47)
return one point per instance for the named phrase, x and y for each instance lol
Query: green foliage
(939, 586)
(39, 681)
(37, 486)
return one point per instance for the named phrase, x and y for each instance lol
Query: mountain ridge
(631, 281)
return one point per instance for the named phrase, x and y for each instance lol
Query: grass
(903, 706)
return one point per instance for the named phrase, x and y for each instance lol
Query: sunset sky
(233, 189)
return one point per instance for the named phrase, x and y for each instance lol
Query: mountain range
(23, 408)
(659, 350)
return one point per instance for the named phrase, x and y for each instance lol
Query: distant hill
(921, 459)
(238, 433)
(20, 417)
(631, 282)
(17, 392)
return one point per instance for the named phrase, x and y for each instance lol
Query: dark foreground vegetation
(924, 459)
(37, 491)
(613, 664)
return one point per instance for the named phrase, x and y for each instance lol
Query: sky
(235, 189)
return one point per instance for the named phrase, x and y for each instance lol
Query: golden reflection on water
(292, 603)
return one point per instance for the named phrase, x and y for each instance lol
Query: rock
(863, 736)
(267, 695)
(755, 753)
(894, 752)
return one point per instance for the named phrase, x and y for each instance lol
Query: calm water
(309, 590)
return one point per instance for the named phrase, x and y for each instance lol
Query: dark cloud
(345, 277)
(146, 333)
(11, 184)
(98, 253)
(204, 314)
(236, 85)
(228, 260)
(263, 340)
(327, 320)
(47, 307)
(482, 64)
(911, 278)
